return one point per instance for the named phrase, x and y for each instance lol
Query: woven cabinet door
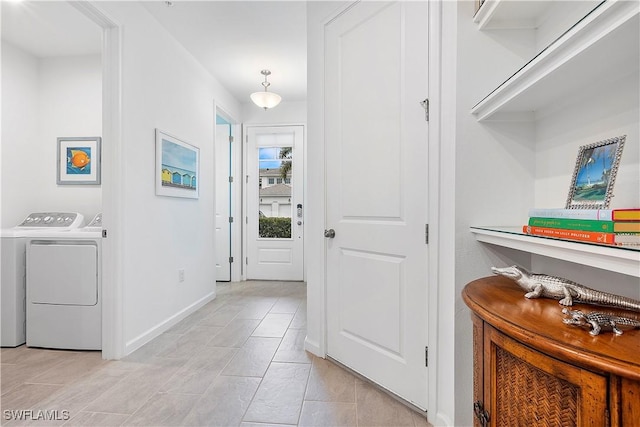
(524, 387)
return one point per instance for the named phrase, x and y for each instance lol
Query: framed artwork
(594, 174)
(177, 167)
(78, 160)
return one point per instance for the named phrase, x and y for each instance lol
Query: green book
(573, 224)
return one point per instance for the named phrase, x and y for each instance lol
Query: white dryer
(64, 270)
(13, 268)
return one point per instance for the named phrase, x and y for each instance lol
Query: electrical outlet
(181, 275)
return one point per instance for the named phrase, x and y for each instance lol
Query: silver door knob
(330, 233)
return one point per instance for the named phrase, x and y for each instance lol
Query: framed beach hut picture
(594, 174)
(78, 160)
(177, 167)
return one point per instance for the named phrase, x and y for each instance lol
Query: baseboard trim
(144, 338)
(313, 347)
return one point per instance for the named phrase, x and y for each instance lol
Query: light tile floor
(238, 361)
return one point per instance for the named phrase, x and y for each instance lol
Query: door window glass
(274, 193)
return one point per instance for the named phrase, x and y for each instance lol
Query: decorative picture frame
(595, 173)
(78, 160)
(177, 167)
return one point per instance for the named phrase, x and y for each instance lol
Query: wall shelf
(603, 46)
(503, 14)
(624, 260)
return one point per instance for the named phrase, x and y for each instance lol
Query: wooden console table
(530, 369)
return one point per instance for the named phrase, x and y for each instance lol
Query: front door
(376, 139)
(274, 203)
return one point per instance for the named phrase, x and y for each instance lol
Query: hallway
(239, 360)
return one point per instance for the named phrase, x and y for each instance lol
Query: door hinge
(246, 260)
(426, 234)
(230, 138)
(230, 179)
(425, 105)
(104, 233)
(230, 259)
(481, 414)
(426, 356)
(230, 219)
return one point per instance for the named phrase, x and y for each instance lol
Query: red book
(584, 236)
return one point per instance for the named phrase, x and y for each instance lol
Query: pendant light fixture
(265, 99)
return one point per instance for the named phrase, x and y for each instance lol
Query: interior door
(275, 214)
(223, 205)
(376, 168)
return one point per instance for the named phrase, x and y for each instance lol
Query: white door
(274, 218)
(376, 168)
(223, 212)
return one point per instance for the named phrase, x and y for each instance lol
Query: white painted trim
(157, 330)
(442, 400)
(313, 347)
(113, 252)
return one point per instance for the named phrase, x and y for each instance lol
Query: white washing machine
(64, 270)
(13, 268)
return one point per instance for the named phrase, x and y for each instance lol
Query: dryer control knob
(48, 219)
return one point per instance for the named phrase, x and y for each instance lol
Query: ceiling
(233, 40)
(49, 29)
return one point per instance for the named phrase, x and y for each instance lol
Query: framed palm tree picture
(594, 174)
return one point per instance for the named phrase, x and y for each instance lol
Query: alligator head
(514, 272)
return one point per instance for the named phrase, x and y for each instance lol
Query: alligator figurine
(542, 285)
(598, 320)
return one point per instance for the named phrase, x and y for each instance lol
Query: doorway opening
(228, 194)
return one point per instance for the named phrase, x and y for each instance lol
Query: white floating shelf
(604, 46)
(624, 260)
(503, 14)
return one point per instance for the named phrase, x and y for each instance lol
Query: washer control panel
(96, 222)
(53, 220)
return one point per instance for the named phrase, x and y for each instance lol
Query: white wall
(293, 112)
(19, 132)
(163, 87)
(44, 99)
(489, 168)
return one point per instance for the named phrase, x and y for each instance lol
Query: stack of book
(608, 226)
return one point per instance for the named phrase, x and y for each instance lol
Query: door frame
(243, 175)
(236, 190)
(441, 202)
(112, 183)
